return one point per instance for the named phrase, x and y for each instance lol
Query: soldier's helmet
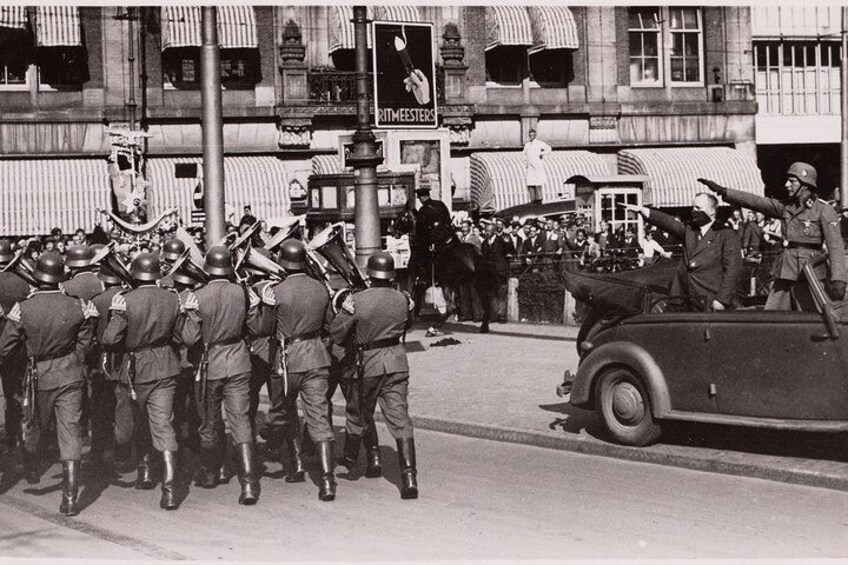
(292, 255)
(6, 254)
(804, 172)
(182, 277)
(78, 256)
(146, 267)
(108, 276)
(50, 268)
(172, 249)
(381, 266)
(219, 262)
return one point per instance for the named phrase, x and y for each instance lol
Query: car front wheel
(623, 404)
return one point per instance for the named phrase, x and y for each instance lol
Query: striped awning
(182, 27)
(260, 182)
(553, 28)
(13, 17)
(37, 195)
(508, 25)
(58, 26)
(498, 179)
(397, 13)
(326, 165)
(673, 172)
(341, 28)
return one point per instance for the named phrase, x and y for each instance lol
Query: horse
(445, 260)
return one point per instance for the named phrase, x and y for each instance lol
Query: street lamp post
(365, 158)
(212, 124)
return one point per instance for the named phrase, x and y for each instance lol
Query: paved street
(480, 500)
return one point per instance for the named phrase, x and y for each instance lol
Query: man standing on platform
(534, 153)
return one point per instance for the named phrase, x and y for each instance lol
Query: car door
(777, 365)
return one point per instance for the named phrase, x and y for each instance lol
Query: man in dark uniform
(146, 322)
(56, 331)
(13, 289)
(226, 314)
(171, 251)
(83, 282)
(808, 223)
(185, 407)
(712, 254)
(302, 365)
(376, 319)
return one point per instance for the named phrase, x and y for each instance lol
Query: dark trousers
(185, 407)
(498, 299)
(390, 391)
(312, 387)
(64, 406)
(260, 376)
(125, 417)
(155, 414)
(12, 376)
(469, 303)
(102, 413)
(234, 393)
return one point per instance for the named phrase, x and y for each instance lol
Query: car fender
(621, 353)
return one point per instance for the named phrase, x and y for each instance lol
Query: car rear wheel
(623, 404)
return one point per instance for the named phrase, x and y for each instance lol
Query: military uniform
(13, 289)
(185, 405)
(262, 352)
(85, 285)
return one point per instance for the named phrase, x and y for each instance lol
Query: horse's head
(403, 224)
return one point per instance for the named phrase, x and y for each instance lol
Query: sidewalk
(502, 385)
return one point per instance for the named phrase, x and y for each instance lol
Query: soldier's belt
(799, 245)
(55, 355)
(154, 345)
(224, 342)
(379, 344)
(302, 337)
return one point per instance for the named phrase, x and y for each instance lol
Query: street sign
(404, 75)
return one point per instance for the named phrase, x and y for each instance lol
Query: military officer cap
(49, 268)
(172, 249)
(804, 172)
(145, 267)
(381, 266)
(6, 254)
(292, 255)
(219, 262)
(78, 257)
(422, 191)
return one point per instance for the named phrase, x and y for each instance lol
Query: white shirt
(533, 152)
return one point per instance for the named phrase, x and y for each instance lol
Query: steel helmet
(292, 255)
(78, 257)
(6, 253)
(172, 249)
(804, 172)
(145, 267)
(108, 276)
(219, 262)
(182, 277)
(381, 266)
(50, 268)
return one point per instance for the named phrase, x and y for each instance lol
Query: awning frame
(508, 26)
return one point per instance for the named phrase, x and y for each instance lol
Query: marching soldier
(171, 251)
(13, 289)
(146, 322)
(56, 331)
(226, 312)
(83, 282)
(302, 368)
(808, 223)
(376, 319)
(185, 407)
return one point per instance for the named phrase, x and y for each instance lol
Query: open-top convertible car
(646, 357)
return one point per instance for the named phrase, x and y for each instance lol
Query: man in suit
(496, 248)
(712, 257)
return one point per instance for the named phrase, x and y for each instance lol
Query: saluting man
(376, 319)
(57, 333)
(808, 223)
(147, 322)
(226, 314)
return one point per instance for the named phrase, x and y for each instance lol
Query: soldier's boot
(327, 487)
(207, 475)
(31, 463)
(296, 472)
(406, 457)
(169, 477)
(373, 468)
(70, 487)
(248, 477)
(307, 446)
(351, 451)
(224, 471)
(123, 459)
(144, 480)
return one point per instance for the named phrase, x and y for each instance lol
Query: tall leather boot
(169, 473)
(144, 480)
(247, 477)
(406, 457)
(224, 473)
(123, 459)
(327, 489)
(295, 473)
(207, 475)
(32, 472)
(373, 468)
(70, 487)
(351, 451)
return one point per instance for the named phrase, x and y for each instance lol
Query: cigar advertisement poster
(404, 75)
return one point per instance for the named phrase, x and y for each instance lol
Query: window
(506, 65)
(797, 77)
(62, 68)
(608, 206)
(681, 30)
(552, 68)
(239, 67)
(13, 70)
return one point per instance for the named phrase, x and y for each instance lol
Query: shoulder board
(15, 314)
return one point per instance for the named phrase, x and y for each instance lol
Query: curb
(782, 469)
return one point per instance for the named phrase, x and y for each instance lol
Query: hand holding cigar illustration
(416, 82)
